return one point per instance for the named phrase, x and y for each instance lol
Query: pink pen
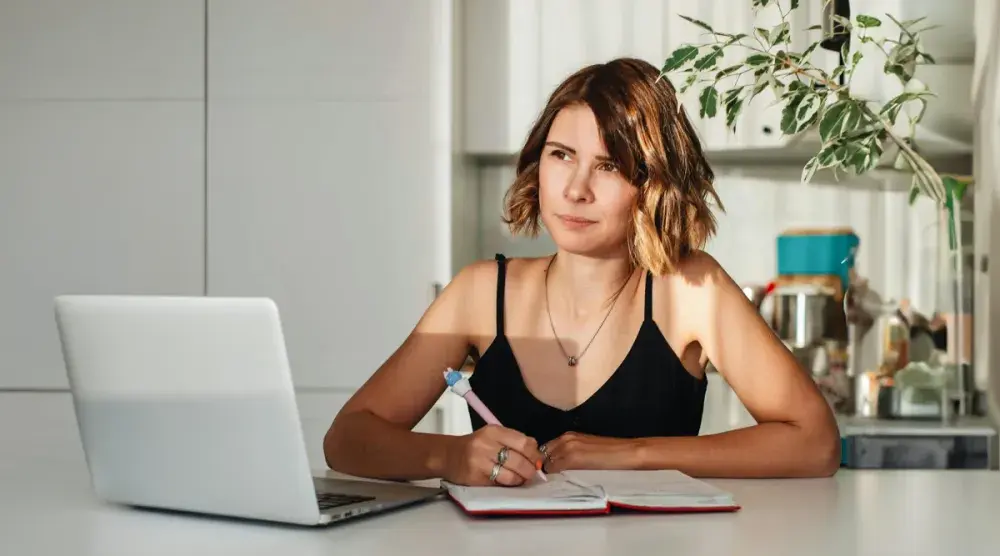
(460, 385)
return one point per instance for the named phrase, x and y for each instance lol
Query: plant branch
(919, 164)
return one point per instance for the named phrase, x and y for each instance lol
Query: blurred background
(346, 158)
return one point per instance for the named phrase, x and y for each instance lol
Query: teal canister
(817, 252)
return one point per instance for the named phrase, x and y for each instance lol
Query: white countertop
(48, 509)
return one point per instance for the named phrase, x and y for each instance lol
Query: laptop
(187, 404)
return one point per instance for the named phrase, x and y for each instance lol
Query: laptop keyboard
(329, 500)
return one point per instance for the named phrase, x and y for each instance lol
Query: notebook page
(665, 488)
(555, 494)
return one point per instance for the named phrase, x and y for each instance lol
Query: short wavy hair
(648, 135)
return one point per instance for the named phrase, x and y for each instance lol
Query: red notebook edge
(486, 513)
(596, 511)
(677, 509)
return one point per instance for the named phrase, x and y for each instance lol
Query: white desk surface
(48, 508)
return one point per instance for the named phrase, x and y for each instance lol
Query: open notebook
(596, 492)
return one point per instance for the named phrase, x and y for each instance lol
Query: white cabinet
(101, 164)
(945, 133)
(101, 49)
(318, 171)
(329, 176)
(328, 165)
(517, 51)
(41, 428)
(949, 117)
(986, 282)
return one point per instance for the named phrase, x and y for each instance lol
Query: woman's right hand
(471, 458)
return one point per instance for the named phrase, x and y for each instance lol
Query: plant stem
(920, 165)
(959, 332)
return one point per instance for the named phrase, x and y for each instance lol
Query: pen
(460, 385)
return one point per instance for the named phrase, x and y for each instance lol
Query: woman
(598, 352)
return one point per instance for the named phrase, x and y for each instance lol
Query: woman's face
(585, 202)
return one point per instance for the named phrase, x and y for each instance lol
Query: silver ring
(502, 455)
(495, 472)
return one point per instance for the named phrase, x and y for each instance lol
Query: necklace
(572, 360)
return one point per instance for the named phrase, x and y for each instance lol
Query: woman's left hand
(574, 450)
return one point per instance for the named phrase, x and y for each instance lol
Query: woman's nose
(578, 189)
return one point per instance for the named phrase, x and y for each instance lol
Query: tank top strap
(648, 315)
(501, 286)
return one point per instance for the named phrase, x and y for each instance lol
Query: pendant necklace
(572, 360)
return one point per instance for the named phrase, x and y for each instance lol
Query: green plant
(854, 131)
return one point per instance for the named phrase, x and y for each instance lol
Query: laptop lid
(187, 403)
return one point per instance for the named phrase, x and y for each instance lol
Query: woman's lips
(575, 222)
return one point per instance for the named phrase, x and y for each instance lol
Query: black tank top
(650, 394)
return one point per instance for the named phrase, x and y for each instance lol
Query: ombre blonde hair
(650, 138)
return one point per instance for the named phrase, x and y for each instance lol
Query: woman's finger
(560, 455)
(517, 442)
(519, 464)
(553, 466)
(550, 449)
(512, 460)
(505, 477)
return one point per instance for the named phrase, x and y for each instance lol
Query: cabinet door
(516, 52)
(328, 174)
(500, 75)
(986, 193)
(101, 164)
(576, 34)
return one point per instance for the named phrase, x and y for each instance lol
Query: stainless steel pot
(804, 317)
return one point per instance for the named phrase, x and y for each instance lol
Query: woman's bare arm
(371, 436)
(796, 434)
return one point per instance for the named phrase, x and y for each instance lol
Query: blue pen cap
(452, 377)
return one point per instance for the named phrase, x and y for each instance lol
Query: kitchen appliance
(807, 315)
(817, 252)
(807, 306)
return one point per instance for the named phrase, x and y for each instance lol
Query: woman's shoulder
(486, 270)
(696, 270)
(479, 279)
(698, 280)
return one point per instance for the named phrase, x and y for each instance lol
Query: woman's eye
(561, 155)
(608, 167)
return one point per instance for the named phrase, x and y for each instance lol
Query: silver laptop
(187, 404)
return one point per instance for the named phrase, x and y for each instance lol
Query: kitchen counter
(961, 426)
(46, 509)
(962, 443)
